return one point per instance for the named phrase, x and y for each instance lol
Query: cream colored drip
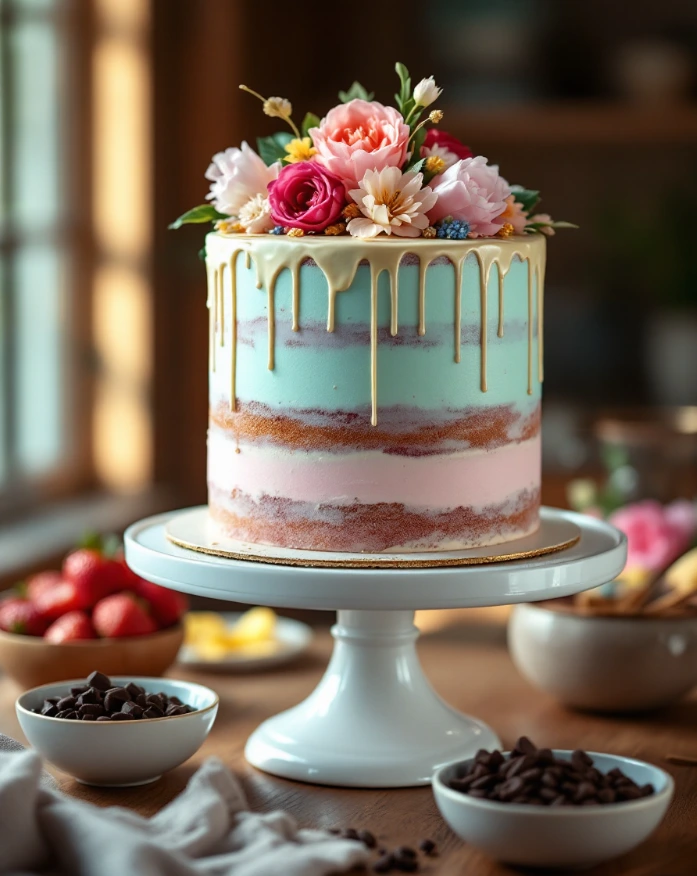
(540, 272)
(212, 316)
(296, 296)
(530, 316)
(331, 309)
(423, 267)
(374, 276)
(339, 258)
(221, 304)
(458, 308)
(233, 329)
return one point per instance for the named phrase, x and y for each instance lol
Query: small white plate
(293, 639)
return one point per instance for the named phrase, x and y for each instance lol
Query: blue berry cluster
(453, 229)
(277, 229)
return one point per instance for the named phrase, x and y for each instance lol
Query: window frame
(72, 236)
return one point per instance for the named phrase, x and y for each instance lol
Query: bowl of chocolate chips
(117, 731)
(541, 807)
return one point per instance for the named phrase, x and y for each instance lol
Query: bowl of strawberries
(94, 611)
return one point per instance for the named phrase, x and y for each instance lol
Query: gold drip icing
(458, 308)
(221, 304)
(540, 274)
(338, 258)
(296, 296)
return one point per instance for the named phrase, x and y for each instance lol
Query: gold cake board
(194, 530)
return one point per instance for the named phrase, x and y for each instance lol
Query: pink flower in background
(306, 195)
(515, 214)
(359, 136)
(471, 190)
(237, 176)
(656, 534)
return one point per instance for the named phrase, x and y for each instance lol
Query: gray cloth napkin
(7, 743)
(206, 830)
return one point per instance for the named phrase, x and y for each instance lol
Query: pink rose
(306, 195)
(656, 534)
(238, 175)
(359, 136)
(471, 190)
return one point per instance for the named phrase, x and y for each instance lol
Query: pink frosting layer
(473, 478)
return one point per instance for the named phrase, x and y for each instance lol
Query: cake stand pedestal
(374, 720)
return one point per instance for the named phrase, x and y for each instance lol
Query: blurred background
(109, 113)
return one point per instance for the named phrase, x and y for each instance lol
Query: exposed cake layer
(372, 528)
(412, 395)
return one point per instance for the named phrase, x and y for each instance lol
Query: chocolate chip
(155, 700)
(119, 716)
(580, 760)
(153, 712)
(141, 701)
(49, 710)
(104, 718)
(66, 703)
(99, 680)
(78, 689)
(525, 746)
(427, 846)
(135, 690)
(173, 710)
(383, 864)
(404, 852)
(53, 700)
(90, 696)
(87, 717)
(405, 865)
(133, 710)
(67, 714)
(367, 838)
(115, 698)
(91, 709)
(176, 701)
(350, 833)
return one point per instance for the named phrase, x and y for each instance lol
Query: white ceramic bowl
(604, 663)
(564, 837)
(119, 753)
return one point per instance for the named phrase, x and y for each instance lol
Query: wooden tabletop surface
(469, 666)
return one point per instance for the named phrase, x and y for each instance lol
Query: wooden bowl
(31, 661)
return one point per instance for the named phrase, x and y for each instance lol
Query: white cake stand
(374, 720)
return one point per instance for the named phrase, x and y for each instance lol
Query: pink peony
(656, 534)
(238, 175)
(306, 195)
(471, 190)
(359, 136)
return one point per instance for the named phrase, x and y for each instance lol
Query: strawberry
(41, 583)
(167, 606)
(21, 616)
(60, 599)
(94, 574)
(122, 614)
(71, 627)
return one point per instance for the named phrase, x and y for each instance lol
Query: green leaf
(563, 225)
(405, 80)
(527, 197)
(198, 215)
(91, 540)
(356, 92)
(533, 227)
(272, 148)
(111, 545)
(310, 121)
(416, 166)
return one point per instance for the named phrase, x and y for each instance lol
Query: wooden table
(496, 693)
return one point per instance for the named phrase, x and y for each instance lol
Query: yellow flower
(299, 150)
(295, 232)
(506, 230)
(429, 232)
(351, 211)
(436, 116)
(434, 164)
(278, 107)
(229, 226)
(337, 228)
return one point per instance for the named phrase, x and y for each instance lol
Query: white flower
(426, 92)
(392, 202)
(255, 215)
(449, 158)
(237, 176)
(278, 107)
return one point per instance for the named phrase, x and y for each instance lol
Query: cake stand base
(374, 720)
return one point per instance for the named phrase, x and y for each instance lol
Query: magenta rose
(306, 195)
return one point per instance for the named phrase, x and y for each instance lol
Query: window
(40, 283)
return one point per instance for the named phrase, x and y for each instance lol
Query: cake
(375, 296)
